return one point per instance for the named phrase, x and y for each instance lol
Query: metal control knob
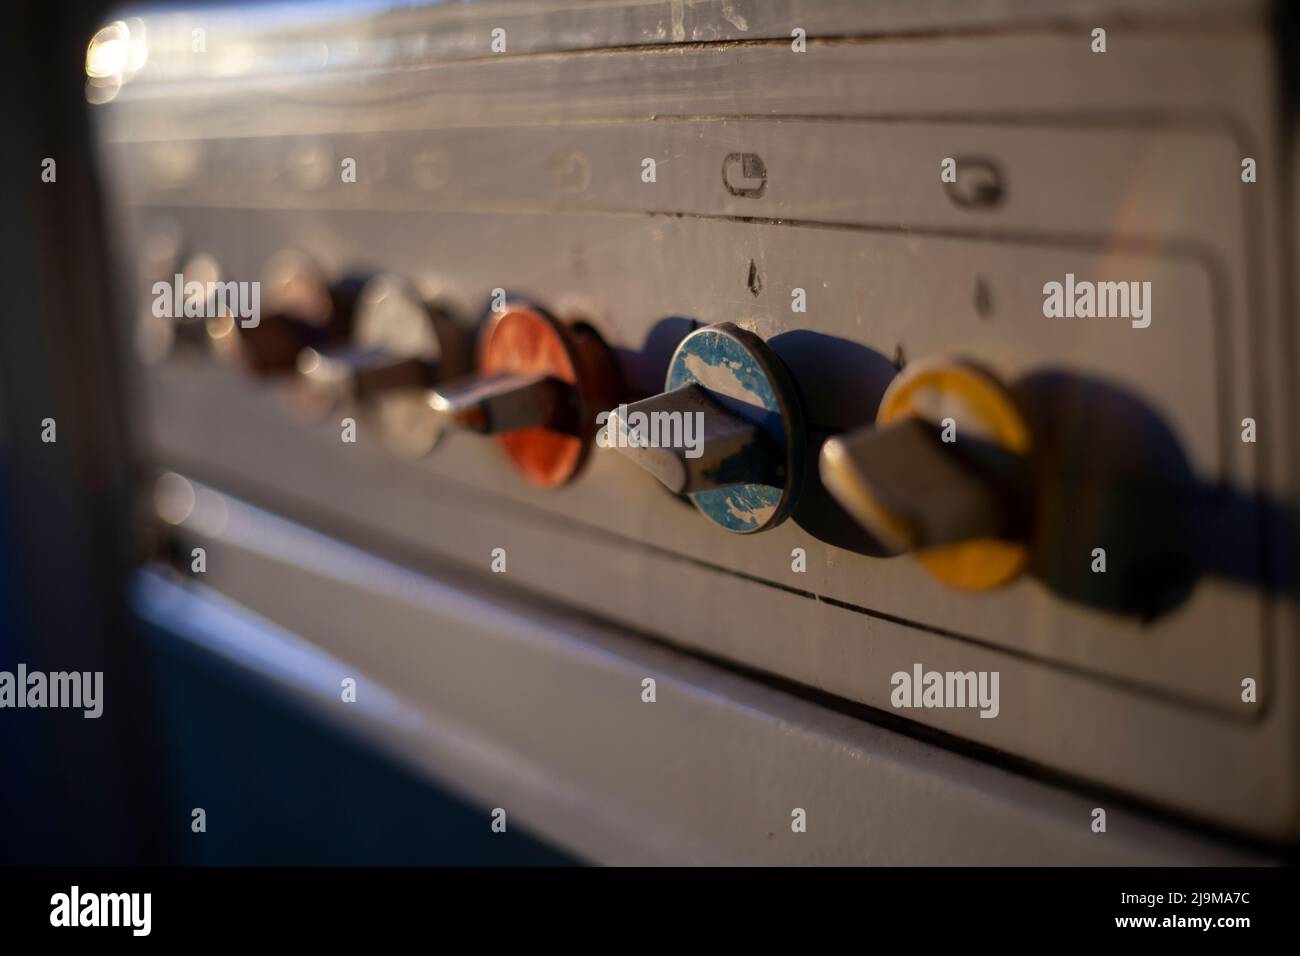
(181, 285)
(539, 386)
(298, 309)
(162, 324)
(194, 306)
(728, 430)
(401, 347)
(943, 473)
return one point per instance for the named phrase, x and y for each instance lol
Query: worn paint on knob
(981, 406)
(741, 372)
(523, 341)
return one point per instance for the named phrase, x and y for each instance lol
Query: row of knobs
(942, 472)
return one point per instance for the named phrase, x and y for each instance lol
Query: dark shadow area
(840, 384)
(645, 369)
(1111, 474)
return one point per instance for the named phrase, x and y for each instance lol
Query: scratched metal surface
(521, 171)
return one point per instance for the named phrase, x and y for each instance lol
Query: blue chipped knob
(727, 431)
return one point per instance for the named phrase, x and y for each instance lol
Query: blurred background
(179, 730)
(517, 170)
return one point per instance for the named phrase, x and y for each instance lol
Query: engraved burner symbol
(750, 180)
